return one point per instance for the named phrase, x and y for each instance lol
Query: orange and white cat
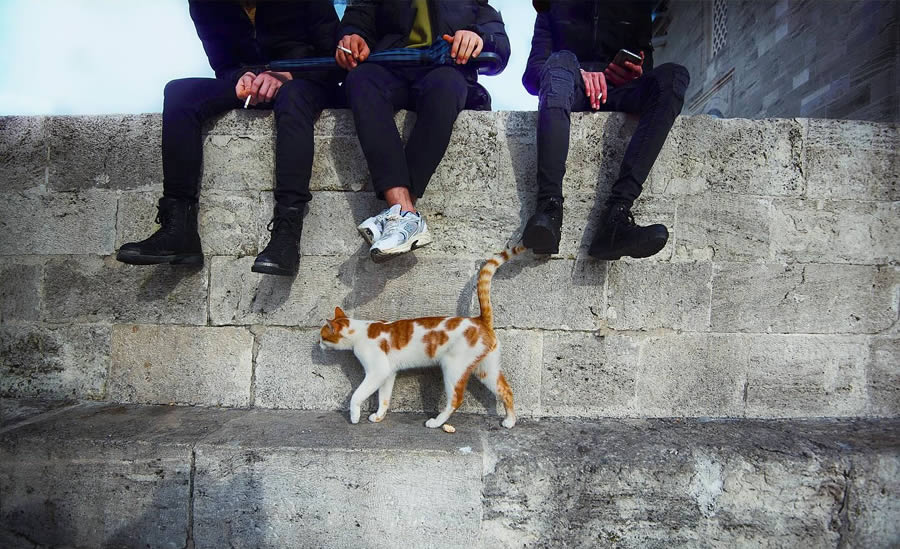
(460, 345)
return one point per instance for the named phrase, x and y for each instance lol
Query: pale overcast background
(115, 56)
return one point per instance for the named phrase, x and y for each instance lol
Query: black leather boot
(177, 240)
(542, 231)
(282, 255)
(618, 235)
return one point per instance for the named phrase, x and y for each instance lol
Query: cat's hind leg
(384, 398)
(455, 380)
(488, 372)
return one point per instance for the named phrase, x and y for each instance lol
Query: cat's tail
(484, 282)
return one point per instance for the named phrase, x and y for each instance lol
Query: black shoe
(543, 228)
(618, 235)
(282, 256)
(177, 240)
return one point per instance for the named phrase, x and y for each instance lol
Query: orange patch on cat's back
(400, 332)
(453, 323)
(433, 341)
(429, 322)
(471, 334)
(385, 346)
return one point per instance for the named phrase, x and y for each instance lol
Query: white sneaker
(401, 234)
(371, 228)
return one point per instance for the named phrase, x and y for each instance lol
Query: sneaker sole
(539, 240)
(367, 234)
(272, 269)
(176, 259)
(380, 256)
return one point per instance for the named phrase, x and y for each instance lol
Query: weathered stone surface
(690, 375)
(555, 294)
(339, 165)
(832, 231)
(883, 376)
(294, 480)
(473, 131)
(805, 376)
(803, 298)
(854, 160)
(329, 228)
(20, 288)
(183, 365)
(475, 223)
(101, 289)
(663, 483)
(231, 223)
(64, 362)
(57, 223)
(588, 375)
(14, 411)
(644, 296)
(752, 157)
(255, 122)
(238, 162)
(23, 152)
(293, 372)
(723, 227)
(109, 152)
(597, 145)
(873, 503)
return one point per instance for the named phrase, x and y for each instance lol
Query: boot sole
(272, 269)
(540, 240)
(612, 256)
(379, 256)
(176, 259)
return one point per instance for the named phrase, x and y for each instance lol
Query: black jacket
(594, 30)
(282, 30)
(386, 24)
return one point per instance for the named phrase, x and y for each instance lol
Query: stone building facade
(785, 58)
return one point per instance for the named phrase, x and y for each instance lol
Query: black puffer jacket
(386, 24)
(282, 30)
(594, 30)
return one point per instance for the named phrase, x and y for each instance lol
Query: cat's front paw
(375, 418)
(354, 416)
(432, 423)
(509, 422)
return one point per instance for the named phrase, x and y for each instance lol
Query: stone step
(777, 295)
(160, 476)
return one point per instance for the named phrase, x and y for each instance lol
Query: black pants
(657, 97)
(375, 93)
(190, 101)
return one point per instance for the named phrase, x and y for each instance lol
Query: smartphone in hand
(624, 55)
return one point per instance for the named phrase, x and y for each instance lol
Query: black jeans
(375, 93)
(190, 101)
(657, 97)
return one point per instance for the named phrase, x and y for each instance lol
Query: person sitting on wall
(570, 68)
(437, 94)
(236, 35)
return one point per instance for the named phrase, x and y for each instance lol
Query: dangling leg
(455, 379)
(384, 399)
(488, 372)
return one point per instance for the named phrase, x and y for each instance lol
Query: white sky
(115, 56)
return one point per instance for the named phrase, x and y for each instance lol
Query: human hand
(263, 87)
(594, 87)
(466, 45)
(359, 51)
(623, 74)
(242, 88)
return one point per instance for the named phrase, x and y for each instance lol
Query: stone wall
(777, 295)
(784, 58)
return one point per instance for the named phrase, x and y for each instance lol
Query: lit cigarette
(247, 102)
(345, 50)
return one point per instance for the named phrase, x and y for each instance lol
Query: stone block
(184, 365)
(100, 289)
(806, 376)
(852, 159)
(337, 122)
(324, 483)
(238, 162)
(690, 375)
(250, 122)
(23, 152)
(832, 231)
(15, 411)
(586, 374)
(474, 224)
(873, 502)
(597, 145)
(329, 228)
(883, 376)
(339, 165)
(471, 161)
(20, 288)
(58, 223)
(555, 294)
(54, 362)
(750, 157)
(107, 152)
(724, 227)
(803, 298)
(644, 296)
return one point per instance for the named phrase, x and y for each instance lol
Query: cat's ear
(339, 313)
(332, 326)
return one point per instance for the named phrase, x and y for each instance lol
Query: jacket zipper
(596, 23)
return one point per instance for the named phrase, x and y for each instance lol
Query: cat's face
(335, 333)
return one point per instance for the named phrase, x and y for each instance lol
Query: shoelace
(280, 221)
(393, 228)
